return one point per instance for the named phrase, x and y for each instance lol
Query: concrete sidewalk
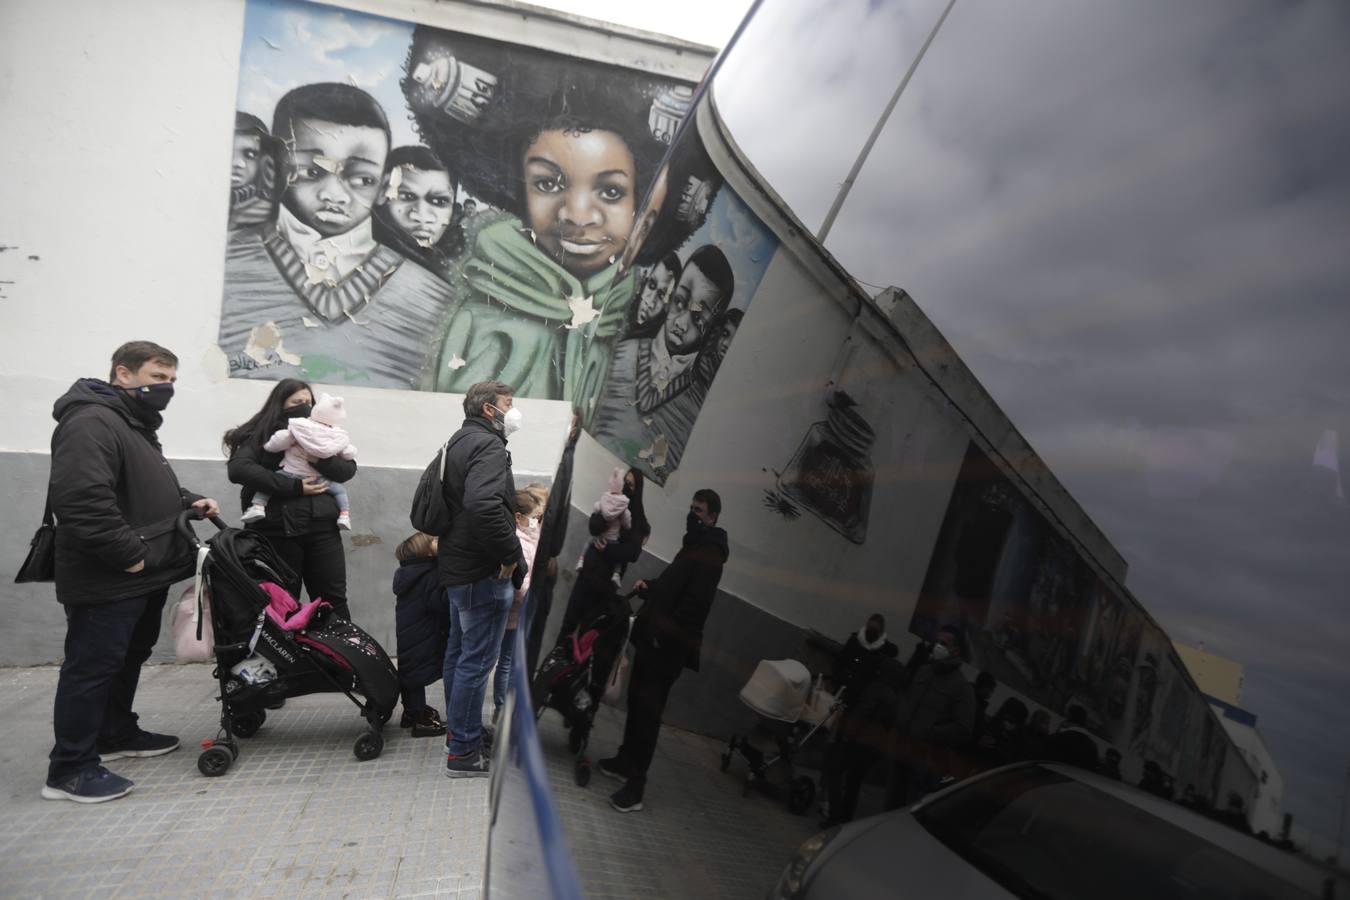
(298, 816)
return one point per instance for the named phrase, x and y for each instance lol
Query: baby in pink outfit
(613, 506)
(305, 440)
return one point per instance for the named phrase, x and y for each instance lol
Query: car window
(1044, 835)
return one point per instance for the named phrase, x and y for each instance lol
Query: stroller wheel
(582, 774)
(214, 761)
(803, 792)
(246, 724)
(368, 745)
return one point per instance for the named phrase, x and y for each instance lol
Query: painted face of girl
(247, 149)
(579, 197)
(653, 293)
(422, 204)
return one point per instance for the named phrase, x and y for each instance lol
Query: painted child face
(692, 308)
(423, 204)
(579, 197)
(244, 168)
(724, 338)
(653, 292)
(335, 173)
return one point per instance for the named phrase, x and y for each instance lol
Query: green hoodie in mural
(514, 321)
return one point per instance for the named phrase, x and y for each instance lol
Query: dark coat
(115, 499)
(679, 599)
(1073, 747)
(855, 666)
(938, 707)
(421, 621)
(552, 534)
(289, 513)
(481, 495)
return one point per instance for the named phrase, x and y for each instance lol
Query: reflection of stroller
(573, 677)
(268, 647)
(790, 712)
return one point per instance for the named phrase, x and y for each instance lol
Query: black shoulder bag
(40, 564)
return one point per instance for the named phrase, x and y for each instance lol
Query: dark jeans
(320, 562)
(414, 699)
(478, 615)
(106, 645)
(654, 673)
(846, 766)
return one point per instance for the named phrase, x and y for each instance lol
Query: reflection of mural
(831, 473)
(689, 306)
(427, 209)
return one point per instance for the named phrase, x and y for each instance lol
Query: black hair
(535, 91)
(985, 679)
(692, 183)
(247, 123)
(328, 101)
(636, 508)
(711, 500)
(436, 258)
(712, 262)
(266, 420)
(134, 354)
(881, 620)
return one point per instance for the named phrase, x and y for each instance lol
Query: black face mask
(871, 635)
(299, 411)
(692, 523)
(154, 397)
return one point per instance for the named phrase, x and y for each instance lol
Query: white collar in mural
(665, 367)
(327, 260)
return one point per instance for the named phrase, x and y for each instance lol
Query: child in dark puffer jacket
(422, 625)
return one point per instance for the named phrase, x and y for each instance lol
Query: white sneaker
(345, 521)
(254, 513)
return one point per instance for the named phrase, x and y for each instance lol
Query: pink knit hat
(616, 480)
(330, 410)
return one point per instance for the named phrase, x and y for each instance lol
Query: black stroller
(268, 647)
(574, 675)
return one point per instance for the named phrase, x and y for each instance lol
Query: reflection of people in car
(1072, 744)
(867, 712)
(319, 272)
(656, 378)
(416, 210)
(936, 715)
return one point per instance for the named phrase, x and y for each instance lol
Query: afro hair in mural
(481, 104)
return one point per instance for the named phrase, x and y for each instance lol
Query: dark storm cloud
(1132, 219)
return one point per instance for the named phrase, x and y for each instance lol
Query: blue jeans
(502, 680)
(106, 645)
(478, 614)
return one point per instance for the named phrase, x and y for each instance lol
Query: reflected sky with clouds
(1132, 219)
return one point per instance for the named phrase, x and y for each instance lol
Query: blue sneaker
(471, 765)
(143, 744)
(93, 785)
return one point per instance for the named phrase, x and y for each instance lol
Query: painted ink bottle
(831, 473)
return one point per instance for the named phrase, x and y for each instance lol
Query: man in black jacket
(116, 500)
(479, 561)
(668, 635)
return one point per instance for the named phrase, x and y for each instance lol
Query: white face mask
(510, 420)
(940, 653)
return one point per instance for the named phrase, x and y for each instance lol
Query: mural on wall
(417, 208)
(831, 473)
(691, 300)
(1032, 611)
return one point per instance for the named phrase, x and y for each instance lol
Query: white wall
(118, 121)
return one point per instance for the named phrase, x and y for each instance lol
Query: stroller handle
(193, 514)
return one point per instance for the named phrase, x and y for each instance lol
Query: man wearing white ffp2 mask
(936, 714)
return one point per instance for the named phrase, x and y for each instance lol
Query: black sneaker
(470, 765)
(144, 744)
(93, 785)
(626, 799)
(428, 724)
(612, 768)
